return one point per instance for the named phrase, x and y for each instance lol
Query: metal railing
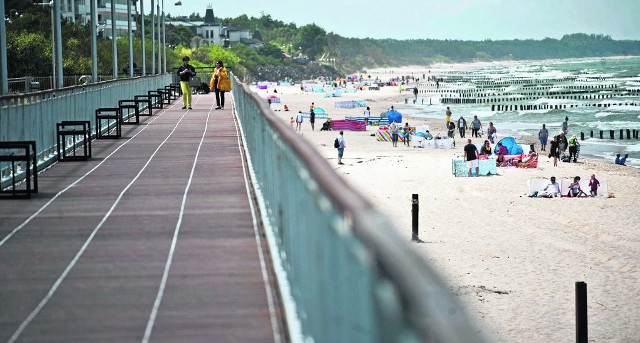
(30, 84)
(344, 273)
(33, 116)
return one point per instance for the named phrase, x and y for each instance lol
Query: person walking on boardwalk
(220, 83)
(471, 156)
(186, 72)
(340, 146)
(543, 135)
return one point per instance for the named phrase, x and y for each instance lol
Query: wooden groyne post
(415, 208)
(582, 332)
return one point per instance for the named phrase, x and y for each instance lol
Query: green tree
(311, 39)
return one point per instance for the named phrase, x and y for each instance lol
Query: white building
(223, 35)
(80, 10)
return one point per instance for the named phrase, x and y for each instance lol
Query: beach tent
(512, 147)
(394, 115)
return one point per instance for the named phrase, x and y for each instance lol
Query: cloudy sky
(438, 19)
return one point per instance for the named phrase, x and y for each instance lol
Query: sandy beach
(511, 260)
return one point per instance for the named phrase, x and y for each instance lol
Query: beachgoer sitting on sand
(486, 148)
(551, 190)
(621, 160)
(575, 190)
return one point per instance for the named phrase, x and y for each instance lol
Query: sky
(438, 19)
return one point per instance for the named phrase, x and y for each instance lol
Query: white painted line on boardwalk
(167, 266)
(28, 220)
(265, 274)
(71, 264)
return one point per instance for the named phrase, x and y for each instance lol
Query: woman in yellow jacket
(220, 83)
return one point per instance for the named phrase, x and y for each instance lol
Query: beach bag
(336, 144)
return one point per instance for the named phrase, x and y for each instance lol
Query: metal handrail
(316, 221)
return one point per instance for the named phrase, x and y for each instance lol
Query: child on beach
(291, 122)
(593, 184)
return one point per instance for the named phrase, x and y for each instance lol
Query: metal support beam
(114, 46)
(144, 50)
(4, 77)
(94, 41)
(130, 39)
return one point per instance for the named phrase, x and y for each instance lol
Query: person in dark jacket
(186, 72)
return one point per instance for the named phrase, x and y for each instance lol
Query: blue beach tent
(394, 115)
(512, 147)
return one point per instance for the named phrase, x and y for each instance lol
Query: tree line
(288, 51)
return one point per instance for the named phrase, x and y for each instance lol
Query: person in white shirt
(551, 190)
(367, 115)
(299, 121)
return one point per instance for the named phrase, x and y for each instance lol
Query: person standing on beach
(447, 117)
(565, 125)
(562, 143)
(471, 156)
(312, 117)
(543, 135)
(367, 115)
(299, 121)
(462, 126)
(492, 132)
(394, 130)
(406, 133)
(573, 148)
(555, 150)
(341, 145)
(476, 126)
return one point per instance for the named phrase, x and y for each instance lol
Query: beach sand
(511, 260)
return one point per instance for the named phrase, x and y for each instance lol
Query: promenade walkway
(153, 239)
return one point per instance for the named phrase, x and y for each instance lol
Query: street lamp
(56, 43)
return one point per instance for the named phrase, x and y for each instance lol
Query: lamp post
(56, 43)
(4, 78)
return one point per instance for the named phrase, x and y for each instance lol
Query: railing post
(414, 218)
(581, 312)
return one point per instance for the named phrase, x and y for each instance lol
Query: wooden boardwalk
(153, 239)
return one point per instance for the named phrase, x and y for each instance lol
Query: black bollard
(414, 218)
(628, 134)
(591, 134)
(581, 136)
(600, 134)
(612, 134)
(621, 134)
(582, 332)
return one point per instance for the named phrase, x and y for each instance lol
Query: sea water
(623, 72)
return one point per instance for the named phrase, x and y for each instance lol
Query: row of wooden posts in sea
(631, 134)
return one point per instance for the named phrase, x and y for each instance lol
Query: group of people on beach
(552, 190)
(475, 127)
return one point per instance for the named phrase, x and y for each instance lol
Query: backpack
(336, 144)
